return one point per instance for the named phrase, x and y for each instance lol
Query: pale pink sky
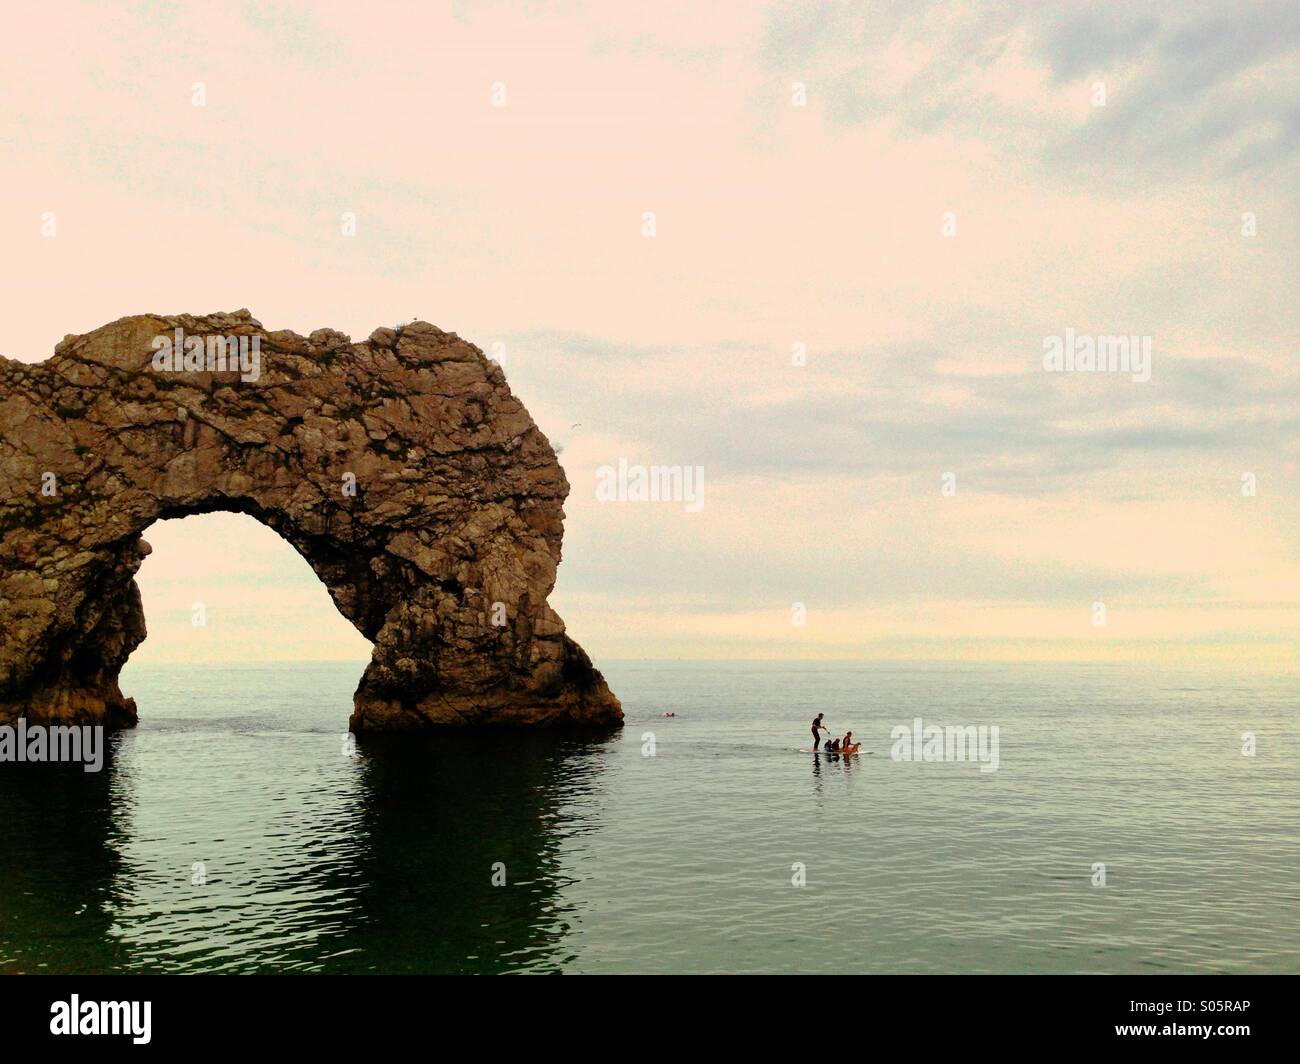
(776, 225)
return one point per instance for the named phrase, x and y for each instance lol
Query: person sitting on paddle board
(818, 726)
(847, 741)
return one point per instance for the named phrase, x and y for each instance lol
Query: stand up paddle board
(855, 750)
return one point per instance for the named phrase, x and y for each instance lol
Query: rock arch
(402, 468)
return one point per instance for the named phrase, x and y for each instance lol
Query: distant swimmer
(817, 728)
(670, 714)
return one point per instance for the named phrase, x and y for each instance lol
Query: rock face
(402, 469)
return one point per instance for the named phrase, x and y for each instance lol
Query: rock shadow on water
(62, 876)
(453, 863)
(464, 836)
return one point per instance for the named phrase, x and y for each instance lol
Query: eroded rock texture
(401, 468)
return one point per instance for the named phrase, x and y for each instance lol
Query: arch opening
(224, 590)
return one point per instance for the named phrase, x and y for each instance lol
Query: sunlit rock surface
(402, 468)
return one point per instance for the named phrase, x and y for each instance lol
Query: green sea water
(236, 830)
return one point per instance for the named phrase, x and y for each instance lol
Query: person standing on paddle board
(817, 727)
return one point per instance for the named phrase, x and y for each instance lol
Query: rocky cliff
(402, 468)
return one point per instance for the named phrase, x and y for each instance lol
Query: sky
(816, 250)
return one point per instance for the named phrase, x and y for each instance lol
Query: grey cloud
(717, 577)
(1176, 98)
(865, 414)
(1086, 39)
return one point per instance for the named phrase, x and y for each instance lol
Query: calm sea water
(317, 861)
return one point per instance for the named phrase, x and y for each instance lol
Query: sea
(1135, 819)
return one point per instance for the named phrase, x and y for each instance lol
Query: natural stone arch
(455, 505)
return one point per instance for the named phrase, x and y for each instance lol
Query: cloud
(907, 411)
(777, 226)
(1188, 89)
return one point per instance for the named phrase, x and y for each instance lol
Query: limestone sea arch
(401, 468)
